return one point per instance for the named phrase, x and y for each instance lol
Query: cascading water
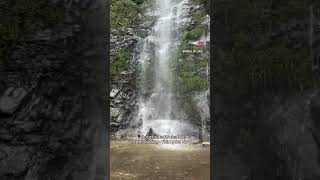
(163, 35)
(158, 109)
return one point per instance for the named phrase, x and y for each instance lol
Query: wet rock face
(51, 99)
(124, 92)
(122, 39)
(123, 105)
(11, 100)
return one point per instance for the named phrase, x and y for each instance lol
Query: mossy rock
(120, 63)
(124, 13)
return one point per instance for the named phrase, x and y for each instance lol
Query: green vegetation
(198, 15)
(205, 3)
(189, 82)
(195, 33)
(124, 13)
(121, 63)
(198, 29)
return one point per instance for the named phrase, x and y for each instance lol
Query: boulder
(114, 93)
(114, 112)
(206, 144)
(11, 99)
(151, 133)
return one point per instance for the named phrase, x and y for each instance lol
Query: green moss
(198, 30)
(195, 33)
(198, 15)
(124, 13)
(190, 84)
(120, 63)
(187, 87)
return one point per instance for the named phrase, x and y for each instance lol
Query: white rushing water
(158, 110)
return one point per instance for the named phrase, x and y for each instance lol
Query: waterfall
(202, 104)
(158, 109)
